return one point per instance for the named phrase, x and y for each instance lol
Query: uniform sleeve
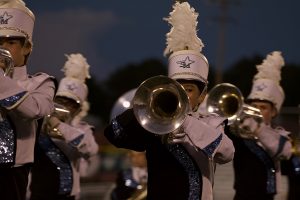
(225, 151)
(10, 92)
(30, 103)
(81, 138)
(275, 141)
(209, 138)
(125, 132)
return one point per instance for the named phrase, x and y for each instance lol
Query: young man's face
(267, 110)
(16, 48)
(193, 93)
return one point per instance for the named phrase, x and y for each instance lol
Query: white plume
(2, 2)
(183, 34)
(76, 67)
(271, 67)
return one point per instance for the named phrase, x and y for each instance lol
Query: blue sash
(59, 159)
(268, 163)
(7, 143)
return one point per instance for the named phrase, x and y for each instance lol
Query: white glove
(250, 124)
(88, 145)
(196, 132)
(177, 136)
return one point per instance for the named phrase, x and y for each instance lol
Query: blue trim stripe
(209, 150)
(10, 101)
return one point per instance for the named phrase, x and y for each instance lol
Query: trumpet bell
(160, 104)
(6, 61)
(226, 100)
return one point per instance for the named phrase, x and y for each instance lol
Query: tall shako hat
(16, 20)
(73, 84)
(183, 45)
(266, 83)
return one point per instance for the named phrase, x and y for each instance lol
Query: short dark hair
(201, 85)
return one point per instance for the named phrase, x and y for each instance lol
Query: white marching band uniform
(24, 99)
(75, 143)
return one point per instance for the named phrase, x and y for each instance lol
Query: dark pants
(294, 187)
(239, 196)
(13, 182)
(57, 197)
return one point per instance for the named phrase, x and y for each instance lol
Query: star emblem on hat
(4, 18)
(71, 87)
(261, 87)
(186, 63)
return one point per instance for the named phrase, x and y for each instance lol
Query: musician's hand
(53, 122)
(177, 136)
(250, 124)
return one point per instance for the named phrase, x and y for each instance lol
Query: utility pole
(221, 48)
(220, 60)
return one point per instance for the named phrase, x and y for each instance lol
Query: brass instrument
(6, 61)
(62, 114)
(160, 104)
(227, 101)
(140, 193)
(123, 103)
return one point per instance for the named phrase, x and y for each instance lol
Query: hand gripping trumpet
(227, 101)
(62, 114)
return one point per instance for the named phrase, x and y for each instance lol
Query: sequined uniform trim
(61, 162)
(117, 128)
(7, 143)
(194, 174)
(296, 165)
(268, 163)
(75, 142)
(209, 150)
(9, 101)
(282, 141)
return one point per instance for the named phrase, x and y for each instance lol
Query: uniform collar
(20, 73)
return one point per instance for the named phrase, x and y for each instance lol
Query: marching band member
(64, 138)
(131, 182)
(181, 164)
(23, 99)
(257, 158)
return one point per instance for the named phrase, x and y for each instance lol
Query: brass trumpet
(160, 104)
(62, 114)
(140, 193)
(6, 61)
(227, 101)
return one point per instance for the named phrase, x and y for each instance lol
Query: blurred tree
(242, 72)
(102, 96)
(123, 80)
(241, 75)
(290, 81)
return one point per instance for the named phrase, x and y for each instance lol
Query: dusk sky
(113, 33)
